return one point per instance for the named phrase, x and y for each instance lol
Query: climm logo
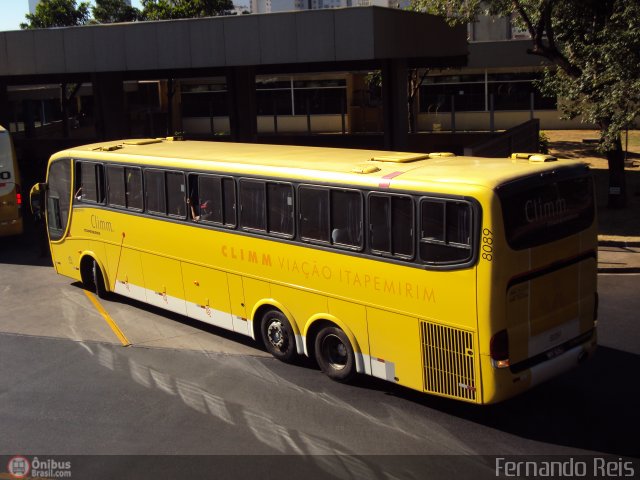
(100, 224)
(538, 209)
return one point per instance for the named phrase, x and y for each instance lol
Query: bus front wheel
(98, 280)
(278, 336)
(334, 354)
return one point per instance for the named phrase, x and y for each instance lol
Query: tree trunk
(617, 183)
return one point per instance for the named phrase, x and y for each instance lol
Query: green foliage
(543, 142)
(113, 11)
(171, 9)
(593, 45)
(57, 13)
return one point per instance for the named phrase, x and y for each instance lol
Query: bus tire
(98, 280)
(335, 355)
(278, 336)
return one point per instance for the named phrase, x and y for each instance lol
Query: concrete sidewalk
(619, 256)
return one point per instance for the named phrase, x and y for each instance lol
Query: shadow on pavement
(594, 407)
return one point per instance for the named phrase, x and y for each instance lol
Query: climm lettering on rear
(536, 210)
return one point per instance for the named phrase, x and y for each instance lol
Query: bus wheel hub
(275, 335)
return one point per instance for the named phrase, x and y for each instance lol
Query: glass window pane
(133, 179)
(115, 181)
(433, 220)
(440, 253)
(458, 223)
(314, 213)
(280, 201)
(154, 190)
(210, 199)
(252, 205)
(346, 218)
(402, 215)
(58, 197)
(229, 201)
(88, 182)
(379, 223)
(176, 194)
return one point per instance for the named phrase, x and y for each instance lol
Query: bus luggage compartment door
(163, 282)
(550, 309)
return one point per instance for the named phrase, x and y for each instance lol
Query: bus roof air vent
(108, 148)
(441, 154)
(365, 169)
(533, 157)
(142, 141)
(400, 157)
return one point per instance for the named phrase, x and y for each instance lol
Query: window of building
(205, 100)
(466, 93)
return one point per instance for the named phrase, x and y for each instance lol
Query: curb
(619, 243)
(618, 270)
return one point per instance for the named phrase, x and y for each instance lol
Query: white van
(10, 193)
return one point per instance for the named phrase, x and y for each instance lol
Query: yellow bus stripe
(121, 336)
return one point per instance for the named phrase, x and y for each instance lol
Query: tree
(594, 49)
(57, 13)
(113, 11)
(170, 9)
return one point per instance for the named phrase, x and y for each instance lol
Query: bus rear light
(499, 348)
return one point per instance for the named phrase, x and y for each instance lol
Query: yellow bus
(468, 278)
(10, 194)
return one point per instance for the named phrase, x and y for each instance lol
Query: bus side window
(253, 205)
(402, 219)
(133, 180)
(155, 192)
(280, 208)
(115, 186)
(391, 225)
(90, 183)
(346, 218)
(176, 194)
(210, 199)
(380, 223)
(314, 213)
(445, 231)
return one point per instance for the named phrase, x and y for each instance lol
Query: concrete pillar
(5, 111)
(241, 88)
(110, 114)
(395, 98)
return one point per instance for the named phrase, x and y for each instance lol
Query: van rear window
(542, 209)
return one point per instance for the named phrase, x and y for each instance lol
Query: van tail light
(499, 348)
(18, 196)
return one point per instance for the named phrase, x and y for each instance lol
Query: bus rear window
(538, 211)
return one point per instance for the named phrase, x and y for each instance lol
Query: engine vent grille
(449, 366)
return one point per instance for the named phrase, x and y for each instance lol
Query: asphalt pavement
(619, 256)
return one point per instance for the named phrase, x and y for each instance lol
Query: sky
(13, 12)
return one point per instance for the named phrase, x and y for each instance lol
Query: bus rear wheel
(278, 336)
(335, 355)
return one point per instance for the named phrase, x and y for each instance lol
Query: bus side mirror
(35, 198)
